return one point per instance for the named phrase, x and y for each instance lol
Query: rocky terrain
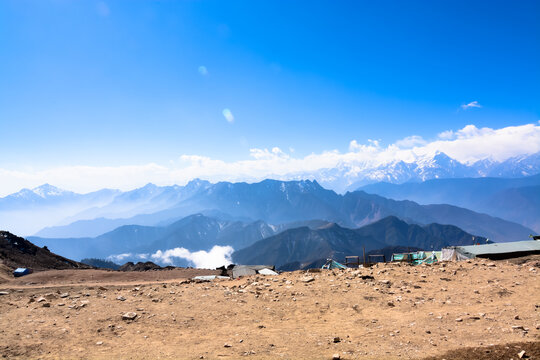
(469, 309)
(18, 252)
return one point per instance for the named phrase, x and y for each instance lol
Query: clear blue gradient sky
(108, 83)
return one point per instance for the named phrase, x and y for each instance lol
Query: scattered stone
(60, 304)
(491, 264)
(46, 304)
(308, 279)
(227, 345)
(391, 304)
(336, 357)
(459, 320)
(129, 316)
(50, 296)
(518, 327)
(517, 317)
(521, 354)
(4, 293)
(337, 339)
(41, 299)
(64, 295)
(99, 343)
(121, 298)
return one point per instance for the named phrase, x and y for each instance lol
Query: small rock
(517, 317)
(121, 298)
(491, 264)
(227, 345)
(521, 354)
(308, 279)
(337, 339)
(459, 320)
(64, 295)
(336, 357)
(99, 343)
(46, 304)
(129, 316)
(41, 299)
(4, 293)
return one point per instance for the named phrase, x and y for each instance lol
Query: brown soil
(449, 310)
(494, 352)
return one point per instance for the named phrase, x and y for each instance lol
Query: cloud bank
(216, 257)
(467, 145)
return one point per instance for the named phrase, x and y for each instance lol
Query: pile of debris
(236, 271)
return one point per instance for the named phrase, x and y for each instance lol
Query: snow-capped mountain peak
(47, 190)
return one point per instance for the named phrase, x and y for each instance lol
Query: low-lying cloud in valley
(466, 145)
(216, 257)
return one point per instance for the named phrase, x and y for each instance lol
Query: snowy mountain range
(53, 212)
(352, 175)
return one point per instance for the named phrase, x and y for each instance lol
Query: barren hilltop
(454, 310)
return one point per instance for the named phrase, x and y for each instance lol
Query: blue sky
(111, 83)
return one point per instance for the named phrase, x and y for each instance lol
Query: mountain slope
(194, 233)
(17, 252)
(304, 245)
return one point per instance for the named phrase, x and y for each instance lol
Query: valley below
(390, 311)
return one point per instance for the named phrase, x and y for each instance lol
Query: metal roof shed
(499, 251)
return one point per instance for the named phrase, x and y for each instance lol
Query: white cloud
(228, 115)
(217, 256)
(203, 70)
(446, 135)
(410, 142)
(472, 104)
(468, 144)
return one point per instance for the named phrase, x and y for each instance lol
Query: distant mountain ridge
(194, 232)
(291, 246)
(513, 199)
(278, 202)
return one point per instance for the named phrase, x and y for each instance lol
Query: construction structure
(494, 251)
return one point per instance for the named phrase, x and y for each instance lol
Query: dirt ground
(463, 310)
